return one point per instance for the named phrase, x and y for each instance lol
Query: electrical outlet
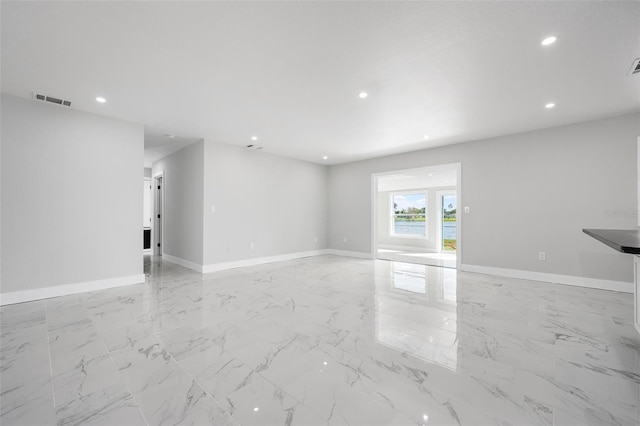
(213, 209)
(542, 256)
(344, 240)
(316, 240)
(253, 246)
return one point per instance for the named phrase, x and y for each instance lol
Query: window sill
(411, 237)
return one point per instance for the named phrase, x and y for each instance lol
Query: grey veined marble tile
(321, 341)
(27, 403)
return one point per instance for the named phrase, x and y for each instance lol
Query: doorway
(414, 215)
(146, 215)
(158, 214)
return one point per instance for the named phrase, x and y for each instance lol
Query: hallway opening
(415, 215)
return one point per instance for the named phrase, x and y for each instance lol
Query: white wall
(71, 197)
(386, 240)
(528, 193)
(279, 204)
(183, 195)
(147, 212)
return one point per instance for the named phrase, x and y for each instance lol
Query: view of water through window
(449, 217)
(409, 214)
(410, 217)
(405, 227)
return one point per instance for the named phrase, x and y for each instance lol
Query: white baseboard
(223, 266)
(622, 286)
(67, 289)
(259, 261)
(186, 263)
(345, 253)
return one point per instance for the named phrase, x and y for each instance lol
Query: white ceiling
(159, 146)
(290, 72)
(417, 180)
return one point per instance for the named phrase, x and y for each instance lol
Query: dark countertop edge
(616, 245)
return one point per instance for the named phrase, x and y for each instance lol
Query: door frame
(158, 203)
(148, 181)
(458, 191)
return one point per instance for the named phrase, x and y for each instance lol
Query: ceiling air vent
(635, 68)
(252, 146)
(51, 99)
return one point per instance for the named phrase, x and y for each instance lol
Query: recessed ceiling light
(254, 138)
(426, 137)
(363, 95)
(550, 105)
(101, 99)
(549, 40)
(325, 158)
(430, 174)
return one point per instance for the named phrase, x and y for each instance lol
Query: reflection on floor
(437, 344)
(322, 340)
(446, 260)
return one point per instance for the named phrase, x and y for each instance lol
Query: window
(409, 218)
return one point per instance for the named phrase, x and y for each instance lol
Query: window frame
(392, 215)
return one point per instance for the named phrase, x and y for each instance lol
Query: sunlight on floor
(445, 260)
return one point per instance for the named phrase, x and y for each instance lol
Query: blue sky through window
(449, 202)
(406, 201)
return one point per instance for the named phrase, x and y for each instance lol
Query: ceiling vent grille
(252, 146)
(51, 99)
(635, 68)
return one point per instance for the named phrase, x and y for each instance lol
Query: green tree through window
(409, 214)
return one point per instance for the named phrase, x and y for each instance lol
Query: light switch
(466, 209)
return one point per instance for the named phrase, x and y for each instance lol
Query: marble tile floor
(322, 340)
